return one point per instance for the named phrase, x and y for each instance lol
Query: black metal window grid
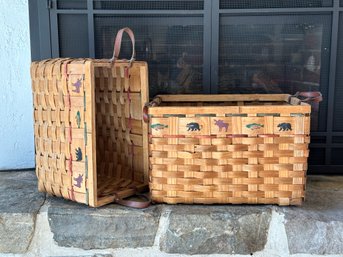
(71, 28)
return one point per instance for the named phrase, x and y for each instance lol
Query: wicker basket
(229, 148)
(88, 127)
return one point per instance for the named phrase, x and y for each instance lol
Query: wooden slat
(224, 98)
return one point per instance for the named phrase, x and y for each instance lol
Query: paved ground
(32, 224)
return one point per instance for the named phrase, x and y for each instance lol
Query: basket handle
(118, 41)
(132, 203)
(310, 97)
(155, 102)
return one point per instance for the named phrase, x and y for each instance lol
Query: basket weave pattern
(88, 128)
(244, 152)
(61, 122)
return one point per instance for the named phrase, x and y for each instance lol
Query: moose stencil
(221, 124)
(78, 180)
(77, 86)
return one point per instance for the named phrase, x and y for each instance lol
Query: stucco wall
(16, 120)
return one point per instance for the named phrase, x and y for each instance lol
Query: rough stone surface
(112, 226)
(317, 226)
(216, 229)
(19, 204)
(92, 255)
(314, 228)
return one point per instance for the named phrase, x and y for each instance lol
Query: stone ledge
(216, 229)
(317, 226)
(314, 228)
(19, 203)
(111, 226)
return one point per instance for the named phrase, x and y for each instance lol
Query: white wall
(16, 119)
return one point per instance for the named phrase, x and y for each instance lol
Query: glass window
(172, 45)
(275, 54)
(252, 4)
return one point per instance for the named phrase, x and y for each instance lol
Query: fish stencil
(158, 126)
(78, 119)
(254, 126)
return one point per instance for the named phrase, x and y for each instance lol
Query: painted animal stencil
(78, 154)
(193, 126)
(158, 126)
(78, 119)
(284, 126)
(77, 86)
(221, 125)
(254, 126)
(78, 180)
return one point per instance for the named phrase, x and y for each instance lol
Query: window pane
(317, 156)
(338, 106)
(276, 54)
(172, 46)
(250, 4)
(149, 5)
(73, 35)
(72, 4)
(336, 156)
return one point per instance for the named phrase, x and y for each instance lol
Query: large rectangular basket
(89, 134)
(235, 149)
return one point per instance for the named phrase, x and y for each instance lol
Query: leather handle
(155, 102)
(310, 97)
(146, 113)
(134, 204)
(118, 41)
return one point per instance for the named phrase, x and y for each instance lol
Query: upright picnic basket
(235, 149)
(89, 134)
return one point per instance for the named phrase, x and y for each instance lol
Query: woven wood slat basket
(218, 149)
(89, 134)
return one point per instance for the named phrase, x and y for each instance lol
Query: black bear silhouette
(285, 126)
(78, 153)
(193, 126)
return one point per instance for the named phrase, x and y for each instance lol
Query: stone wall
(32, 224)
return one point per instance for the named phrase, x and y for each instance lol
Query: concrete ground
(33, 224)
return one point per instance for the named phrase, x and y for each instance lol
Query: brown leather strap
(310, 97)
(134, 204)
(155, 102)
(118, 41)
(145, 113)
